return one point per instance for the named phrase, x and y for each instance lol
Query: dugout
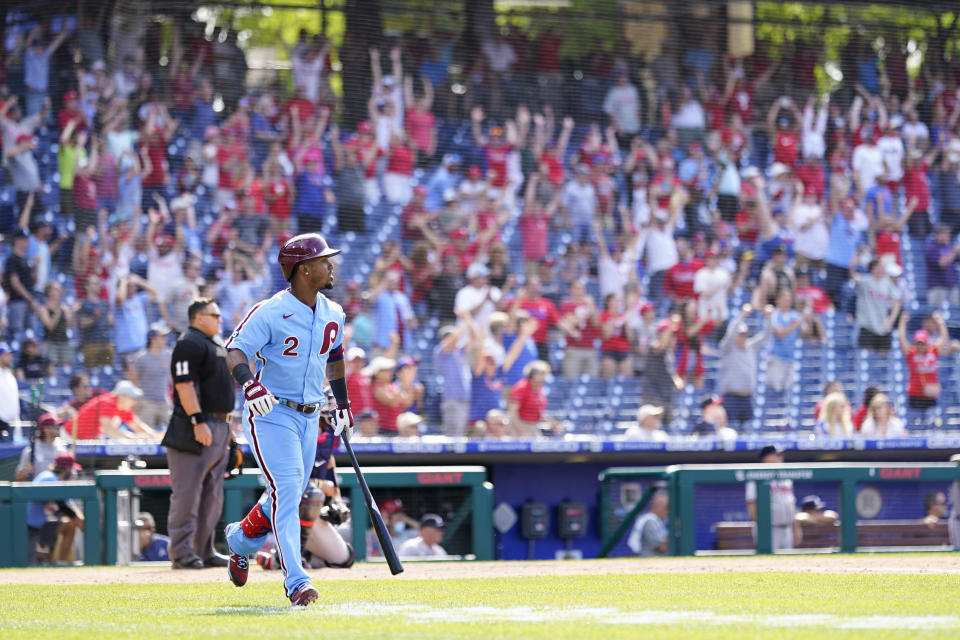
(870, 498)
(460, 494)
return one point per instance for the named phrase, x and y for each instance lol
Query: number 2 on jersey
(292, 344)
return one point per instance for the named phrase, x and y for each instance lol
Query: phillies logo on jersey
(330, 332)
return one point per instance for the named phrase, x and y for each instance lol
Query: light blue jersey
(291, 344)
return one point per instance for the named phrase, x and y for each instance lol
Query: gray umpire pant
(196, 499)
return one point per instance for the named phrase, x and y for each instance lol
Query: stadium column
(764, 530)
(848, 515)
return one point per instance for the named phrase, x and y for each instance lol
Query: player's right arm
(255, 394)
(250, 336)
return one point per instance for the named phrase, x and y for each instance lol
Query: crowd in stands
(678, 246)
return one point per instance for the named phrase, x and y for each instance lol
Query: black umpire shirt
(203, 361)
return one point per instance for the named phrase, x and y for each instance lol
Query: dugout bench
(876, 534)
(682, 480)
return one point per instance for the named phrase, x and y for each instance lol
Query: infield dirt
(919, 564)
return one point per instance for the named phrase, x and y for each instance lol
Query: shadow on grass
(248, 610)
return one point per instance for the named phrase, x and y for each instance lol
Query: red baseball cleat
(238, 569)
(304, 596)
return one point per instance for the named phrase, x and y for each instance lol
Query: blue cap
(5, 348)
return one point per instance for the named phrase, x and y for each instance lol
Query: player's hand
(257, 396)
(335, 512)
(343, 419)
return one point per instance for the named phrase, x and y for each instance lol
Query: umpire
(198, 438)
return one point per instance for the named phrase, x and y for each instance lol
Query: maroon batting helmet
(303, 247)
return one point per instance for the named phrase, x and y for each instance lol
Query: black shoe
(216, 560)
(188, 563)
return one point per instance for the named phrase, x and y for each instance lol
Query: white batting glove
(343, 419)
(258, 398)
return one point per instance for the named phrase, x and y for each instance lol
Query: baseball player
(321, 509)
(296, 338)
(783, 503)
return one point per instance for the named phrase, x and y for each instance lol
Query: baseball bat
(383, 536)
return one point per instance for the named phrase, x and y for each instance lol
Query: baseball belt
(305, 409)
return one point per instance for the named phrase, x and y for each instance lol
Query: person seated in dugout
(52, 526)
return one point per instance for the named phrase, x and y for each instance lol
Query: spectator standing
(579, 205)
(528, 402)
(198, 437)
(95, 321)
(846, 233)
(711, 284)
(878, 304)
(182, 292)
(150, 370)
(36, 63)
(578, 313)
(650, 534)
(9, 391)
(18, 280)
(785, 323)
(41, 454)
(940, 258)
(477, 299)
(679, 282)
(622, 105)
(358, 382)
(923, 386)
(807, 221)
(450, 363)
(738, 365)
(540, 309)
(131, 325)
(867, 163)
(19, 144)
(389, 398)
(658, 378)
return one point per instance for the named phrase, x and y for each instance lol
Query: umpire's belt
(222, 417)
(305, 409)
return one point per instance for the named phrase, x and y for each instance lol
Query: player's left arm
(336, 376)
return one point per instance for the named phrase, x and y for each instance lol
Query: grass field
(725, 603)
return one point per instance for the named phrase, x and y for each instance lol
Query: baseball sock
(255, 523)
